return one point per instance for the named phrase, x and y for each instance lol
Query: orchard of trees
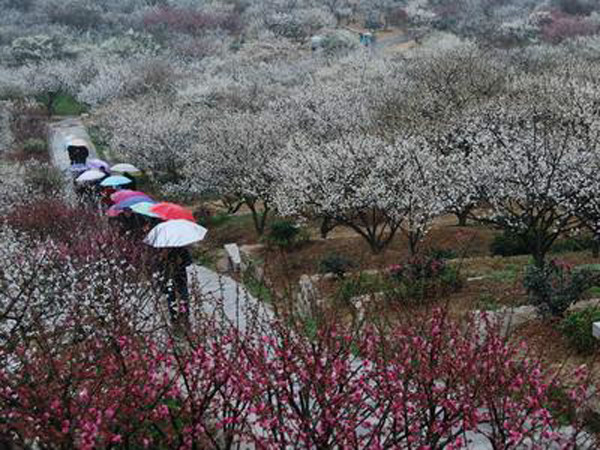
(484, 109)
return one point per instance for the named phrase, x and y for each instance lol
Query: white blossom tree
(526, 168)
(363, 183)
(234, 160)
(152, 132)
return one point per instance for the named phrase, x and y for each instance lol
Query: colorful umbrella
(90, 175)
(115, 180)
(113, 211)
(95, 163)
(172, 211)
(125, 168)
(175, 233)
(78, 168)
(121, 195)
(143, 208)
(129, 202)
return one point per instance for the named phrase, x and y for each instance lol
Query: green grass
(594, 291)
(592, 267)
(65, 105)
(488, 303)
(206, 259)
(257, 288)
(102, 148)
(507, 275)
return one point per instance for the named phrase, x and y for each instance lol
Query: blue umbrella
(115, 180)
(133, 200)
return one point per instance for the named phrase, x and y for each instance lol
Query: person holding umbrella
(175, 262)
(173, 237)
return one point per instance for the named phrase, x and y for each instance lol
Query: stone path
(60, 133)
(222, 294)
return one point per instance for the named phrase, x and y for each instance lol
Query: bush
(398, 17)
(362, 284)
(28, 123)
(285, 234)
(576, 7)
(553, 288)
(47, 218)
(338, 42)
(35, 148)
(337, 264)
(79, 14)
(425, 276)
(443, 253)
(575, 244)
(44, 179)
(510, 243)
(577, 328)
(190, 21)
(36, 48)
(564, 26)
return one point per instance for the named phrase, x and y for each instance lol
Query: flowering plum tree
(436, 385)
(363, 183)
(152, 133)
(235, 158)
(526, 170)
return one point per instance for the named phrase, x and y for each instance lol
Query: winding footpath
(221, 295)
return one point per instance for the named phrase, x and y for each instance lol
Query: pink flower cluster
(417, 387)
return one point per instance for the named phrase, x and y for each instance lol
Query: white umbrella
(90, 175)
(125, 168)
(77, 142)
(175, 233)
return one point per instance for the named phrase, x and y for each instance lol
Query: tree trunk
(463, 217)
(327, 225)
(259, 219)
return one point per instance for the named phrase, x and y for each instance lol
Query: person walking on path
(175, 262)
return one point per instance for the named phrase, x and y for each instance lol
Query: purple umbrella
(132, 201)
(95, 163)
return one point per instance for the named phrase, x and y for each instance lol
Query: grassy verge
(65, 105)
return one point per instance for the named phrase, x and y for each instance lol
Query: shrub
(576, 7)
(36, 48)
(285, 234)
(44, 179)
(35, 148)
(362, 284)
(425, 276)
(48, 218)
(443, 253)
(564, 26)
(189, 21)
(574, 244)
(577, 328)
(78, 14)
(338, 42)
(137, 391)
(510, 243)
(398, 17)
(553, 288)
(337, 264)
(28, 122)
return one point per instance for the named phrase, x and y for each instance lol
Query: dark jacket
(177, 261)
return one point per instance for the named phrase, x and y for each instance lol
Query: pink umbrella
(124, 194)
(113, 212)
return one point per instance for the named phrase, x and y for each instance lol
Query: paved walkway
(221, 294)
